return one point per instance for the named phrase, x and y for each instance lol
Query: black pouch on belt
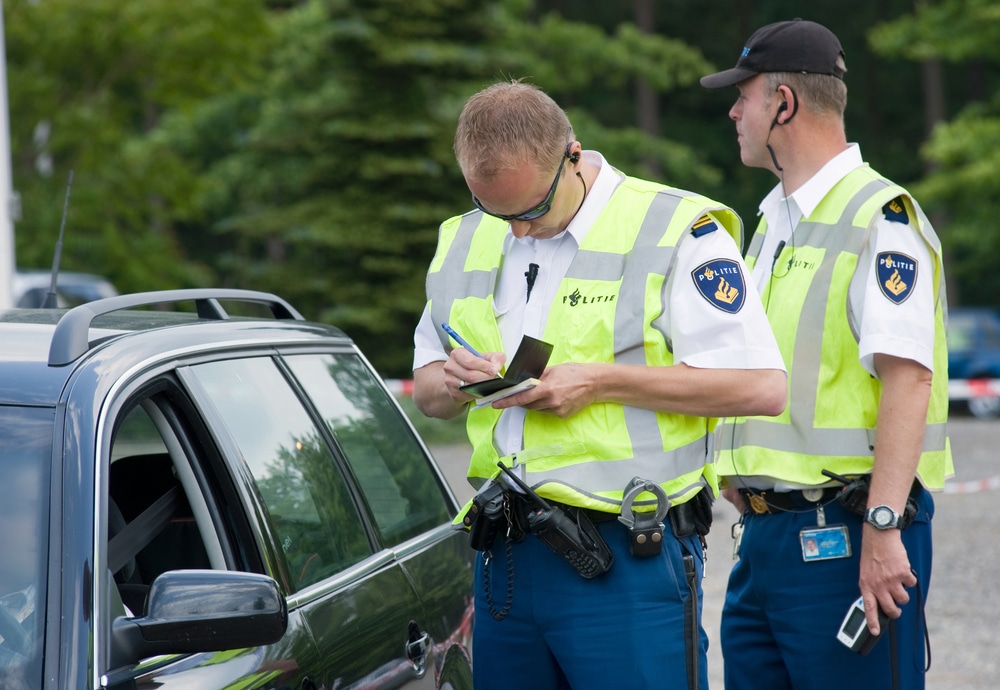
(693, 516)
(854, 497)
(485, 517)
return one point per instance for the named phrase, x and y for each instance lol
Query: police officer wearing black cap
(834, 493)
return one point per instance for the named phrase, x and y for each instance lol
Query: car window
(157, 516)
(25, 461)
(391, 467)
(310, 507)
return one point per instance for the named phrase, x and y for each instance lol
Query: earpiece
(574, 157)
(781, 108)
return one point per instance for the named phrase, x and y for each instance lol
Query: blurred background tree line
(304, 146)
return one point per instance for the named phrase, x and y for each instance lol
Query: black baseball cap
(795, 46)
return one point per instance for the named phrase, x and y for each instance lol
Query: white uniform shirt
(702, 335)
(903, 330)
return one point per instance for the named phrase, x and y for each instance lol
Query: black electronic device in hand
(854, 632)
(576, 540)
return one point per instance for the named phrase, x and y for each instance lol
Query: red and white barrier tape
(973, 487)
(400, 387)
(963, 389)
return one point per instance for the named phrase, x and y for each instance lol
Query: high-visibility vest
(608, 308)
(829, 422)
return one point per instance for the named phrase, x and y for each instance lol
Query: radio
(575, 539)
(854, 632)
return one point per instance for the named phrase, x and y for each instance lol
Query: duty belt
(766, 502)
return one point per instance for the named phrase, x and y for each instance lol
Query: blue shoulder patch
(721, 283)
(703, 226)
(895, 211)
(897, 274)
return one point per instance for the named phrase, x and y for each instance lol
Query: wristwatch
(882, 517)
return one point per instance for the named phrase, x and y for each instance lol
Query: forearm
(885, 566)
(688, 390)
(899, 433)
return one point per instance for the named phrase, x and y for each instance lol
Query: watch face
(882, 516)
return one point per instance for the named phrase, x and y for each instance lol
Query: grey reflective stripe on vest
(453, 280)
(592, 477)
(801, 437)
(825, 442)
(757, 241)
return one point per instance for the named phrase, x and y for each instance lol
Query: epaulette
(703, 226)
(895, 211)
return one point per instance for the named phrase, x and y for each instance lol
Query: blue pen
(460, 340)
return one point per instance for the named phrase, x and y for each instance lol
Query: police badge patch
(896, 274)
(720, 281)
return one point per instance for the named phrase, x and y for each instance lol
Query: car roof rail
(71, 337)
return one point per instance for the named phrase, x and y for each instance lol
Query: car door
(354, 596)
(407, 498)
(164, 473)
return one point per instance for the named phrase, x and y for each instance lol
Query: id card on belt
(824, 543)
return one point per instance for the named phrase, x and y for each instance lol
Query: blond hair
(508, 125)
(822, 94)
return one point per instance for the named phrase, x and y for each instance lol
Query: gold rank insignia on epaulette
(703, 226)
(897, 274)
(895, 211)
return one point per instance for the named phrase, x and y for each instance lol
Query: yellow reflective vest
(829, 422)
(608, 308)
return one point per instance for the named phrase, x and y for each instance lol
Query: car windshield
(25, 457)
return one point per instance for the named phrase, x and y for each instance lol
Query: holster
(693, 516)
(854, 497)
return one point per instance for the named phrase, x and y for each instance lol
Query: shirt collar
(808, 196)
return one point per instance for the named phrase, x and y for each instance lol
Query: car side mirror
(189, 611)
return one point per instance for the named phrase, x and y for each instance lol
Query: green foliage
(953, 30)
(101, 74)
(966, 187)
(962, 188)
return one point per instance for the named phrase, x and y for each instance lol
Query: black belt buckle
(645, 530)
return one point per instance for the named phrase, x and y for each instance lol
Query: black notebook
(525, 367)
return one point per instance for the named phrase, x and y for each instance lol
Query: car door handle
(417, 643)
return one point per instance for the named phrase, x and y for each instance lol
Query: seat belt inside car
(137, 534)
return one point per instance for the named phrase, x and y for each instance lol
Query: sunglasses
(538, 211)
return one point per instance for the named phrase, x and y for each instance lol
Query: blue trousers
(782, 614)
(622, 629)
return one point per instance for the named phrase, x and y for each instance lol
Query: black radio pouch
(854, 497)
(485, 517)
(693, 516)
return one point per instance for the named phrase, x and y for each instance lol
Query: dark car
(974, 358)
(200, 500)
(31, 288)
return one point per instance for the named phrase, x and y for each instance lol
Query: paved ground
(963, 609)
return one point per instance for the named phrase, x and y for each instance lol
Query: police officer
(655, 329)
(851, 274)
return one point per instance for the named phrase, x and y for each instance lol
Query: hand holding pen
(462, 370)
(461, 341)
